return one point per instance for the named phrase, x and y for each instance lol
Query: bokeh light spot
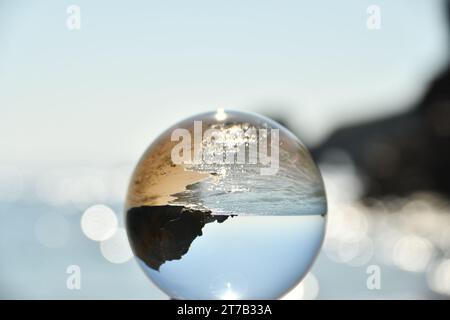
(116, 249)
(99, 222)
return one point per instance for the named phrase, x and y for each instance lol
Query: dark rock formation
(404, 153)
(163, 233)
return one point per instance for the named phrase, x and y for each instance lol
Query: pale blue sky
(101, 94)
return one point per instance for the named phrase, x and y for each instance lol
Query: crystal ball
(226, 205)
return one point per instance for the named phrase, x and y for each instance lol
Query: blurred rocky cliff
(401, 154)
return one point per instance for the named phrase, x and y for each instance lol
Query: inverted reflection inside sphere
(226, 205)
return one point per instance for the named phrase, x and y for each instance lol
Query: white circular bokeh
(412, 253)
(308, 289)
(116, 249)
(99, 222)
(439, 277)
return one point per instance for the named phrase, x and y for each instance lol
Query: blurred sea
(39, 240)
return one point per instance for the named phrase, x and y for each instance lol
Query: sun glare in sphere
(220, 114)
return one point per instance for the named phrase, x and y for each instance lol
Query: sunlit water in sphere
(226, 221)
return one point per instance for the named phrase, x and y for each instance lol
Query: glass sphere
(226, 205)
